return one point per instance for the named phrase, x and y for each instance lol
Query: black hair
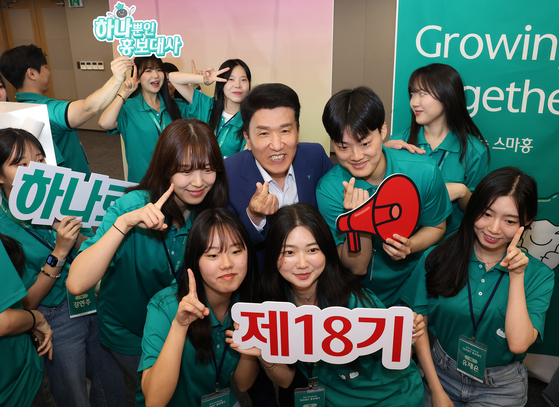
(3, 85)
(13, 143)
(219, 96)
(269, 96)
(152, 62)
(444, 83)
(358, 111)
(335, 285)
(15, 62)
(168, 67)
(14, 251)
(185, 144)
(447, 265)
(209, 223)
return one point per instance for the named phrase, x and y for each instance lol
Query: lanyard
(156, 122)
(312, 373)
(27, 228)
(221, 130)
(442, 160)
(173, 270)
(484, 309)
(218, 370)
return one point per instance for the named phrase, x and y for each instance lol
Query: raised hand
(130, 84)
(67, 233)
(150, 216)
(353, 197)
(398, 248)
(229, 339)
(418, 327)
(262, 203)
(516, 260)
(190, 308)
(119, 67)
(210, 75)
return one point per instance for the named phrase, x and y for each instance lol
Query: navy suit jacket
(309, 165)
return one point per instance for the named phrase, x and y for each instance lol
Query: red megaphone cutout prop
(393, 208)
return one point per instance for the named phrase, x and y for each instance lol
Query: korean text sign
(286, 333)
(42, 193)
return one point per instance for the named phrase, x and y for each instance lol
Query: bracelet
(123, 234)
(123, 100)
(204, 80)
(34, 320)
(267, 368)
(49, 275)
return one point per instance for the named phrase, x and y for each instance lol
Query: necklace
(487, 263)
(304, 298)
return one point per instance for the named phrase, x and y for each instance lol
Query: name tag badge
(83, 304)
(219, 399)
(471, 358)
(315, 397)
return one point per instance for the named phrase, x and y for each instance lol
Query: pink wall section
(288, 41)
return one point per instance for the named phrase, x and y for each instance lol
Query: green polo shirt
(22, 371)
(140, 126)
(450, 317)
(138, 270)
(67, 147)
(469, 172)
(195, 380)
(226, 132)
(37, 242)
(386, 276)
(366, 382)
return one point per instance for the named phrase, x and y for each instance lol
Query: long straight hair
(219, 96)
(214, 222)
(335, 285)
(185, 144)
(444, 84)
(447, 264)
(152, 62)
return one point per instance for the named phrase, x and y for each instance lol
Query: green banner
(506, 53)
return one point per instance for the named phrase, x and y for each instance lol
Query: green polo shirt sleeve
(22, 371)
(478, 163)
(201, 106)
(414, 292)
(195, 379)
(539, 289)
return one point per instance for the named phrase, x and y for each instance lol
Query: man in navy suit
(275, 170)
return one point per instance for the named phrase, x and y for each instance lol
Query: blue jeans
(503, 385)
(77, 354)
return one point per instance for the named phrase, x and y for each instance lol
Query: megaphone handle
(353, 242)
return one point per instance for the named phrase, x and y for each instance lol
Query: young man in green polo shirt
(25, 67)
(354, 119)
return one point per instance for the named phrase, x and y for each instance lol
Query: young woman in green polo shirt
(48, 254)
(138, 248)
(485, 300)
(222, 112)
(302, 266)
(184, 354)
(140, 112)
(442, 126)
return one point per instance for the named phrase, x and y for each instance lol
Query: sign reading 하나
(136, 37)
(42, 193)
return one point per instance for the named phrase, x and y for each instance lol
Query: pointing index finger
(164, 197)
(516, 238)
(192, 284)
